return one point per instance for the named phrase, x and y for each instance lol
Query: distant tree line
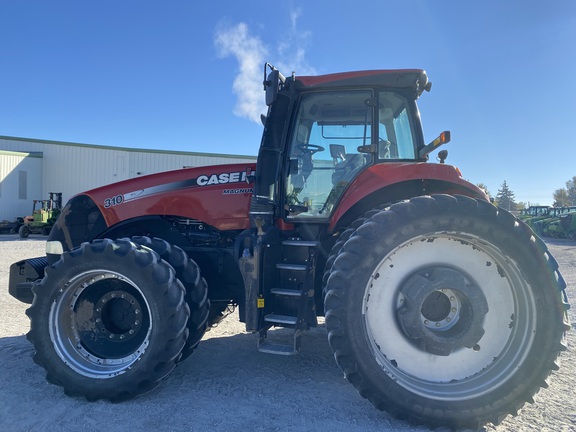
(566, 197)
(563, 197)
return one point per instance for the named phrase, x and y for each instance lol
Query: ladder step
(280, 345)
(297, 267)
(286, 292)
(281, 319)
(306, 243)
(273, 348)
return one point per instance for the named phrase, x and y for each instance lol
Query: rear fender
(351, 207)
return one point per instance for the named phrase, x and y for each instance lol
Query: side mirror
(271, 86)
(442, 155)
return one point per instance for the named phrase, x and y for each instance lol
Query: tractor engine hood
(217, 195)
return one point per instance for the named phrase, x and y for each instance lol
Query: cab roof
(415, 79)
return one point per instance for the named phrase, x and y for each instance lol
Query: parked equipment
(551, 225)
(11, 227)
(44, 215)
(568, 224)
(440, 307)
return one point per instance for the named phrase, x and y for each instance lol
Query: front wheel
(445, 311)
(187, 272)
(108, 320)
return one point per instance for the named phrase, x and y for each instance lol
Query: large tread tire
(342, 239)
(108, 320)
(477, 360)
(187, 272)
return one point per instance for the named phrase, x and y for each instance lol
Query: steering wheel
(310, 148)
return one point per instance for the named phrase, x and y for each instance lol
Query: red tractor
(440, 307)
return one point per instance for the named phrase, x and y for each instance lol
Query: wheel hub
(117, 315)
(440, 310)
(108, 317)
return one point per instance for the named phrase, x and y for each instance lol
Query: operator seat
(345, 170)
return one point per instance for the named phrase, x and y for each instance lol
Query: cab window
(324, 152)
(395, 138)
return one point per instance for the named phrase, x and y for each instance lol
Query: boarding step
(281, 319)
(294, 267)
(296, 251)
(286, 292)
(292, 303)
(303, 243)
(266, 346)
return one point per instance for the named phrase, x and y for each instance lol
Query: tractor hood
(217, 195)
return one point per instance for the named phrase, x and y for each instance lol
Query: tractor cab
(333, 138)
(331, 144)
(339, 126)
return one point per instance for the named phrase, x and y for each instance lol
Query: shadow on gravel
(226, 385)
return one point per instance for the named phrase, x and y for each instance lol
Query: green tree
(561, 198)
(571, 189)
(505, 198)
(565, 197)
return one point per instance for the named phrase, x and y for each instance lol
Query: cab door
(330, 143)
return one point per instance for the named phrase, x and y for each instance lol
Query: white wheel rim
(509, 324)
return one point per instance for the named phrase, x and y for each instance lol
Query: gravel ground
(227, 385)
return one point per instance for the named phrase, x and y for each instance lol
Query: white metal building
(30, 168)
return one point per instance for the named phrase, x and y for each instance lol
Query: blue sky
(186, 75)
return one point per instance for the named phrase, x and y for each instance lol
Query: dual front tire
(111, 318)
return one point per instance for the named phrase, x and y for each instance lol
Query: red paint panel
(380, 176)
(216, 195)
(310, 81)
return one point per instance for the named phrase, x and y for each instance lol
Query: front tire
(108, 320)
(445, 311)
(187, 272)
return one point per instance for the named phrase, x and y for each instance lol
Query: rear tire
(342, 239)
(446, 311)
(108, 320)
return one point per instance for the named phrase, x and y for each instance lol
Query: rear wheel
(445, 311)
(342, 239)
(108, 320)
